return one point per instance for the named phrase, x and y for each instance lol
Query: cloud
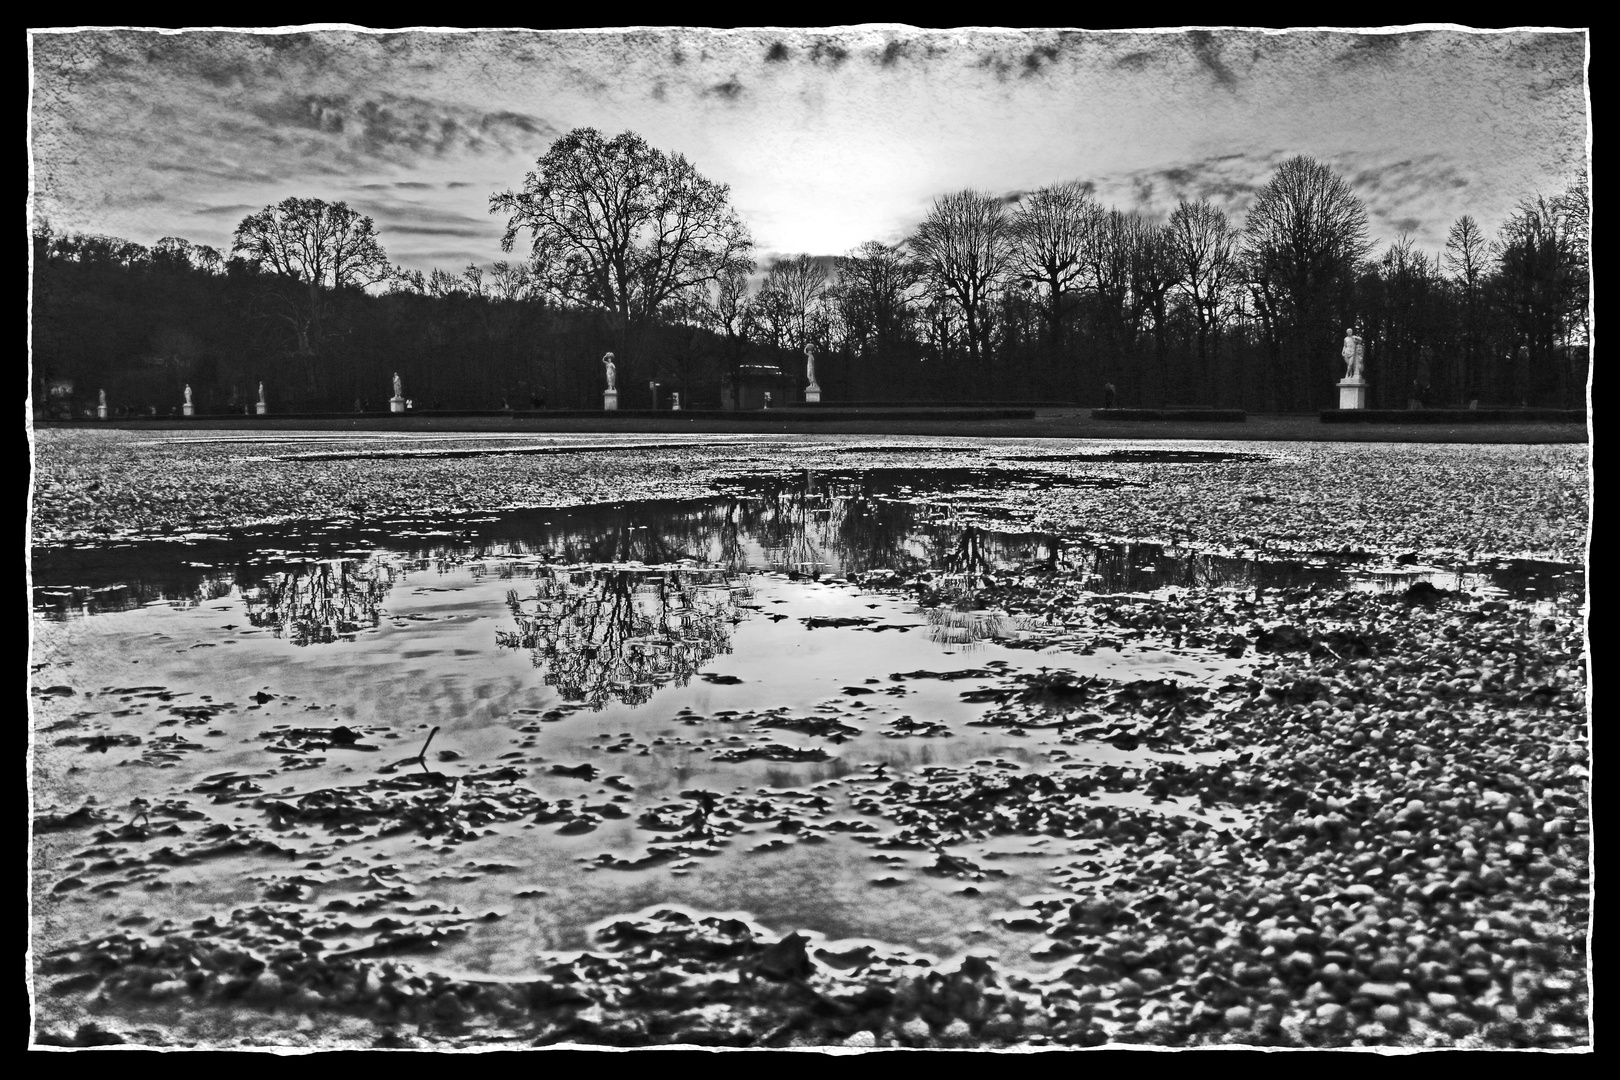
(1207, 48)
(731, 89)
(229, 210)
(399, 128)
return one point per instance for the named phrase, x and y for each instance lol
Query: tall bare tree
(1304, 239)
(620, 226)
(802, 283)
(966, 246)
(1112, 254)
(1542, 282)
(1051, 228)
(1204, 247)
(309, 252)
(1465, 259)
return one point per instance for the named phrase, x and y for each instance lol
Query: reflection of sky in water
(332, 581)
(646, 639)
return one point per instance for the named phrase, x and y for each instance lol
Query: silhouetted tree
(1304, 239)
(966, 246)
(621, 227)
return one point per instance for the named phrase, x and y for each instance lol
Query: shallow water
(714, 645)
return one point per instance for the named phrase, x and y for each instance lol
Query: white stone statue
(612, 373)
(399, 387)
(810, 368)
(102, 400)
(188, 393)
(261, 393)
(1353, 355)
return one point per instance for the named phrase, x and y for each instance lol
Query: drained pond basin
(836, 742)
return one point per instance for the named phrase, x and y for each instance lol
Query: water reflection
(610, 634)
(322, 582)
(320, 603)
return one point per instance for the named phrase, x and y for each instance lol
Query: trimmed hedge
(1213, 416)
(1453, 416)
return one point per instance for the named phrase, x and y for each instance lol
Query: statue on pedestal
(102, 400)
(1354, 354)
(612, 373)
(188, 393)
(810, 369)
(399, 387)
(261, 393)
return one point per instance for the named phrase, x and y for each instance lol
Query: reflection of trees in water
(320, 603)
(1145, 567)
(77, 600)
(817, 525)
(611, 634)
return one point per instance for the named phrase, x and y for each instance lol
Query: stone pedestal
(260, 407)
(610, 400)
(1352, 393)
(812, 394)
(101, 412)
(396, 404)
(188, 410)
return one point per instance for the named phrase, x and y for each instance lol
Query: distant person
(1108, 395)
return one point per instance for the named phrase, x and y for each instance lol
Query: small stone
(168, 988)
(449, 1006)
(267, 986)
(1380, 991)
(957, 1029)
(862, 1039)
(1438, 1000)
(1330, 1013)
(1388, 1015)
(916, 1029)
(1239, 1016)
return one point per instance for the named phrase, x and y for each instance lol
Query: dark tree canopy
(310, 249)
(622, 227)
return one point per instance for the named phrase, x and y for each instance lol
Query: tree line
(1041, 295)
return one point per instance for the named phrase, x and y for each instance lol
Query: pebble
(916, 1029)
(1239, 1016)
(862, 1039)
(168, 988)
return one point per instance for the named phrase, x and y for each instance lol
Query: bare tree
(1204, 247)
(966, 246)
(1051, 228)
(1153, 275)
(801, 281)
(1304, 239)
(621, 227)
(1112, 253)
(1542, 282)
(875, 292)
(1465, 259)
(312, 251)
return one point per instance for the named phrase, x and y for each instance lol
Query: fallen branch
(421, 759)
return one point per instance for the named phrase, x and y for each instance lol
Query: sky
(827, 138)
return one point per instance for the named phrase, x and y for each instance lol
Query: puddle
(530, 721)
